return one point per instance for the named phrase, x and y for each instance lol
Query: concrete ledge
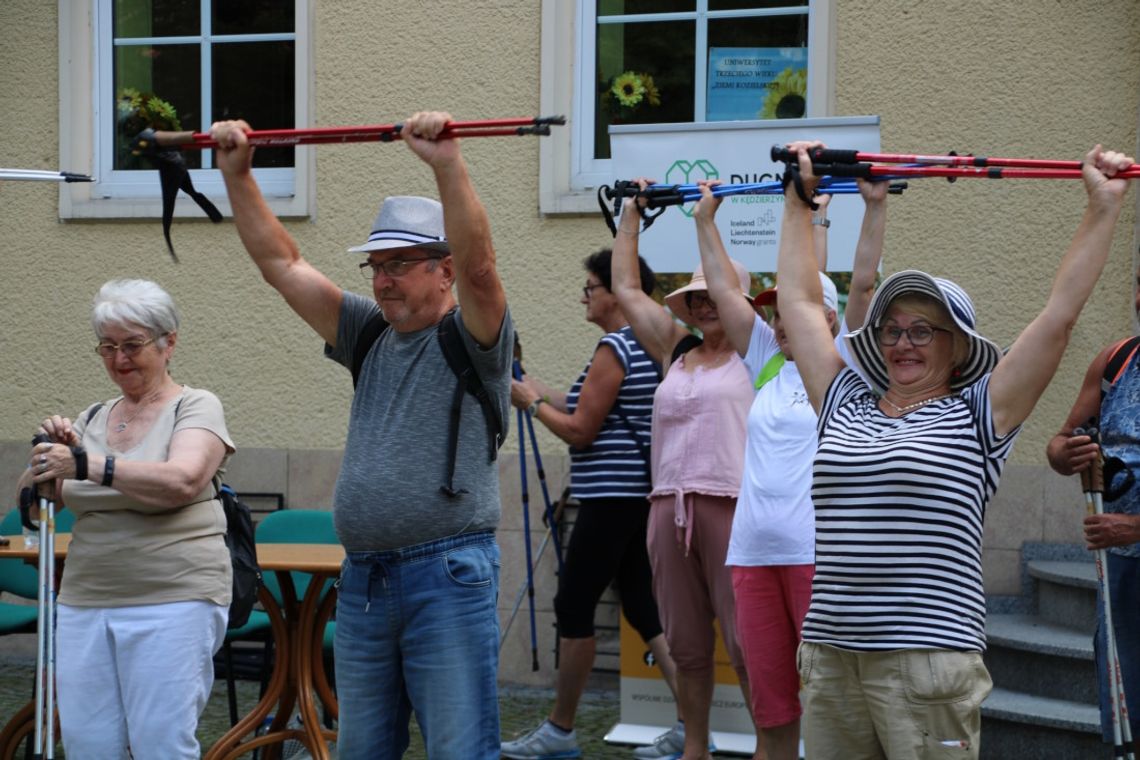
(1029, 633)
(1041, 711)
(1075, 574)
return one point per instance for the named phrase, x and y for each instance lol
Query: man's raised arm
(307, 291)
(481, 296)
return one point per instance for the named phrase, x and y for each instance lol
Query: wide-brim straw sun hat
(676, 300)
(406, 221)
(864, 345)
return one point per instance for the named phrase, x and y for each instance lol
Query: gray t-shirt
(395, 459)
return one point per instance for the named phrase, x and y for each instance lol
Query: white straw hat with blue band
(407, 221)
(864, 346)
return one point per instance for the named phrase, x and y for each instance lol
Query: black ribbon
(173, 175)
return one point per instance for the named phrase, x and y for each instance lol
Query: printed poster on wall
(756, 83)
(736, 152)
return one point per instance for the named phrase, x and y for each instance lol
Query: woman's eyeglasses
(107, 349)
(588, 291)
(918, 335)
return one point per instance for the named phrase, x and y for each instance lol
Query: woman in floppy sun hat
(891, 659)
(699, 415)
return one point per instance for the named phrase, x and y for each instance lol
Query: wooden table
(298, 670)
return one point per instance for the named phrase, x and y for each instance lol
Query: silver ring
(43, 459)
(43, 466)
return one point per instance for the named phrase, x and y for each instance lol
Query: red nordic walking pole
(534, 125)
(841, 156)
(1092, 483)
(867, 171)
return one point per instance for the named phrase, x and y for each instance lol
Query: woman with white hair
(143, 602)
(908, 459)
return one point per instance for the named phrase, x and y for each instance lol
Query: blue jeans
(1124, 588)
(417, 629)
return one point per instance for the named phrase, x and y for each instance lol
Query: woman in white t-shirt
(143, 602)
(907, 461)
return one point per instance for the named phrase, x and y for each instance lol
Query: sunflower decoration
(787, 95)
(631, 90)
(137, 111)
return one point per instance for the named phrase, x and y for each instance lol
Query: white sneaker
(668, 745)
(543, 743)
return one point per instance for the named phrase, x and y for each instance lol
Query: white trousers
(135, 677)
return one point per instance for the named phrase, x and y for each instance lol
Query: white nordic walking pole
(44, 737)
(1092, 483)
(41, 175)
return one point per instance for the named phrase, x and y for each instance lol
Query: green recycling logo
(685, 173)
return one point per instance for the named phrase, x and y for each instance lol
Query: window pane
(645, 76)
(156, 18)
(735, 5)
(263, 95)
(170, 72)
(623, 7)
(253, 17)
(757, 68)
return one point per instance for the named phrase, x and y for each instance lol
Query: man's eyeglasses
(588, 290)
(918, 335)
(107, 349)
(392, 267)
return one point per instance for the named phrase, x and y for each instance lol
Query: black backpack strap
(1120, 358)
(684, 345)
(372, 331)
(451, 342)
(92, 412)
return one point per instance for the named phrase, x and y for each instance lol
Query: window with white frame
(671, 61)
(209, 60)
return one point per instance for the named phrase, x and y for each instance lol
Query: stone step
(1026, 653)
(1026, 727)
(1066, 592)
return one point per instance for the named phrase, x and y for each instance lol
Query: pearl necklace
(916, 404)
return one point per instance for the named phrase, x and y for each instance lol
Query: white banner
(736, 152)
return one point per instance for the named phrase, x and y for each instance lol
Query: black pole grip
(818, 155)
(843, 170)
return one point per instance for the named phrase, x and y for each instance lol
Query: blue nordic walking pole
(517, 372)
(552, 533)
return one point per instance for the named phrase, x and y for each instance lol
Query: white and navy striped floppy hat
(407, 221)
(864, 346)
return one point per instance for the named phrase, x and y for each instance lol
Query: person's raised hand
(421, 132)
(234, 154)
(705, 210)
(1099, 170)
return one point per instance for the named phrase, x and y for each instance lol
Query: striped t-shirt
(614, 465)
(899, 504)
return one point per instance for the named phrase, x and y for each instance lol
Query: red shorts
(771, 602)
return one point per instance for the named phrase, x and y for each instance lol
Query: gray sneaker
(543, 743)
(668, 745)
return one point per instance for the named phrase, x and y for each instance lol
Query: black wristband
(80, 455)
(109, 471)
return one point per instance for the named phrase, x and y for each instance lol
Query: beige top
(126, 553)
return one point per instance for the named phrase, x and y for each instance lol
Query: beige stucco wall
(1004, 77)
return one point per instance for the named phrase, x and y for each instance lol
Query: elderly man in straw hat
(416, 620)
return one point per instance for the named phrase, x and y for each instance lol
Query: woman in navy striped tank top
(605, 417)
